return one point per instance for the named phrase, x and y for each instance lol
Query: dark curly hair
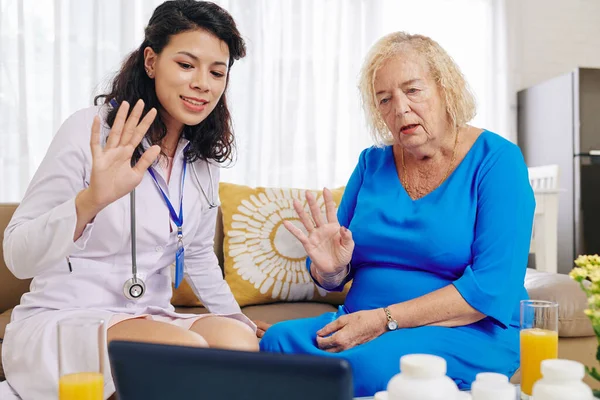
(212, 138)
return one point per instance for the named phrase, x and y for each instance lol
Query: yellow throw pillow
(184, 296)
(264, 263)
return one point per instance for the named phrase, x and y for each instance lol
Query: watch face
(392, 325)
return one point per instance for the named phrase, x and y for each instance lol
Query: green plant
(587, 273)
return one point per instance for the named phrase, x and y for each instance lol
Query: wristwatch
(391, 324)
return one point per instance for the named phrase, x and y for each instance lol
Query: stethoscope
(134, 288)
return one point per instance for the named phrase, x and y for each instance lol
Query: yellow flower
(594, 300)
(587, 273)
(578, 274)
(594, 316)
(588, 269)
(594, 274)
(581, 261)
(587, 261)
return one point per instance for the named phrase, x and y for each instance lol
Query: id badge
(178, 266)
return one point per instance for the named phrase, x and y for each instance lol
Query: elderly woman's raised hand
(328, 244)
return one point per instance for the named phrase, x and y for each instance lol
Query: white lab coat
(39, 238)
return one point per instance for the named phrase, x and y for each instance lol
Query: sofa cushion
(191, 310)
(184, 296)
(572, 322)
(11, 288)
(276, 312)
(2, 376)
(264, 263)
(4, 320)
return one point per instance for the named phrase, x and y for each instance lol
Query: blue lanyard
(178, 220)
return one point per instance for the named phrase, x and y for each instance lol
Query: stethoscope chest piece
(134, 288)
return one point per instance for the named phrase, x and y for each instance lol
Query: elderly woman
(433, 230)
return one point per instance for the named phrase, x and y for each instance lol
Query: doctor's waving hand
(112, 174)
(128, 188)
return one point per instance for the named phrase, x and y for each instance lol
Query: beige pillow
(264, 263)
(572, 322)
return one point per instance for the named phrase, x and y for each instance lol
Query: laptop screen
(156, 371)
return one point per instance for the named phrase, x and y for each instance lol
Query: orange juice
(81, 386)
(536, 345)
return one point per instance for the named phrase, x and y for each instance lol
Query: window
(294, 98)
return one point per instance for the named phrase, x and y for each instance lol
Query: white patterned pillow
(264, 263)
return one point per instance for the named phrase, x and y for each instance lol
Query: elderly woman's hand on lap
(351, 330)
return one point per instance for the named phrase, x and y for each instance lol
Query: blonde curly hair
(456, 94)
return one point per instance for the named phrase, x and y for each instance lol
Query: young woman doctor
(162, 130)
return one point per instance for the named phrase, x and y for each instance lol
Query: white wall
(550, 37)
(547, 38)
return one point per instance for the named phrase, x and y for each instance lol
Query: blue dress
(473, 232)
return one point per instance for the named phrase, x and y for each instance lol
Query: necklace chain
(452, 160)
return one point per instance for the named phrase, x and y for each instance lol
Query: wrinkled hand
(350, 330)
(328, 244)
(261, 328)
(112, 175)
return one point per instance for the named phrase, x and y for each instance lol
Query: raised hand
(112, 175)
(328, 244)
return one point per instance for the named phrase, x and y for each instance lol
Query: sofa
(576, 336)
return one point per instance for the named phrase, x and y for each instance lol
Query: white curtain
(294, 98)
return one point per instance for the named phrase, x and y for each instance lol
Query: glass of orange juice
(81, 359)
(539, 340)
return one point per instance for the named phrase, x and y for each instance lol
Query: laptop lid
(156, 371)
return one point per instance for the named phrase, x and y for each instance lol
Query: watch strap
(388, 314)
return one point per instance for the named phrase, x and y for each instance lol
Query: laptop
(157, 371)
